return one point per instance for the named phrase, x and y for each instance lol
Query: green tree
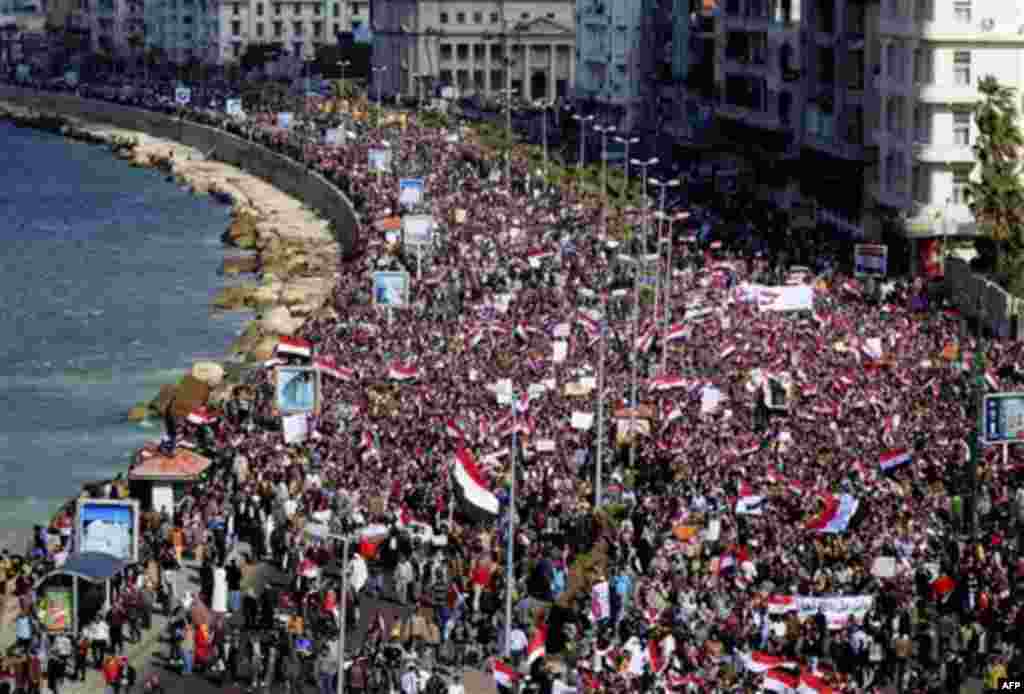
(996, 199)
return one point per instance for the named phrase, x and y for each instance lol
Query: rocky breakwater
(285, 255)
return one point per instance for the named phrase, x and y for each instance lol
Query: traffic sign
(1004, 417)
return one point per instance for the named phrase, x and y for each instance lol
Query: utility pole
(627, 141)
(605, 130)
(663, 185)
(582, 120)
(978, 381)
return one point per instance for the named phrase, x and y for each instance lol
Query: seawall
(281, 172)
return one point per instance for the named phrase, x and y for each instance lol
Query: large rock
(191, 394)
(242, 233)
(209, 372)
(265, 295)
(280, 321)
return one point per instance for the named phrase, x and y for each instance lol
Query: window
(444, 18)
(961, 181)
(297, 28)
(446, 51)
(962, 128)
(478, 80)
(236, 10)
(922, 124)
(277, 9)
(460, 17)
(316, 9)
(962, 11)
(479, 53)
(296, 8)
(494, 17)
(462, 51)
(445, 77)
(259, 30)
(962, 68)
(336, 10)
(259, 9)
(236, 27)
(236, 49)
(278, 29)
(495, 53)
(478, 18)
(923, 61)
(318, 29)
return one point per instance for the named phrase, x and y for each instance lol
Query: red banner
(930, 257)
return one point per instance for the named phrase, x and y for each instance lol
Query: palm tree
(996, 198)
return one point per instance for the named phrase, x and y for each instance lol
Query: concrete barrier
(278, 170)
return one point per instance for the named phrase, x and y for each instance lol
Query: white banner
(561, 351)
(793, 298)
(582, 420)
(838, 610)
(233, 107)
(295, 427)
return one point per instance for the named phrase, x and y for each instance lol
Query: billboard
(870, 260)
(418, 230)
(391, 289)
(1004, 417)
(55, 609)
(410, 192)
(296, 390)
(108, 526)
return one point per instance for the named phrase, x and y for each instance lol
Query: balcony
(946, 93)
(931, 153)
(759, 119)
(901, 26)
(888, 197)
(835, 147)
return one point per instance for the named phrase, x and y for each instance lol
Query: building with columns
(420, 45)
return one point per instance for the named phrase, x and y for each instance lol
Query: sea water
(106, 277)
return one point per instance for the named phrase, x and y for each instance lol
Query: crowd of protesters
(718, 520)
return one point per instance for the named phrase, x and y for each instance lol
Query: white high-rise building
(930, 57)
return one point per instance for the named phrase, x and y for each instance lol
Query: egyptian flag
(728, 351)
(535, 649)
(812, 684)
(759, 662)
(402, 372)
(852, 287)
(667, 383)
(748, 502)
(504, 676)
(644, 340)
(327, 365)
(453, 430)
(520, 332)
(679, 331)
(781, 682)
(293, 347)
(477, 498)
(201, 416)
(991, 380)
(893, 459)
(835, 517)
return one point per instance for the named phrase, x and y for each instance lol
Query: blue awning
(95, 567)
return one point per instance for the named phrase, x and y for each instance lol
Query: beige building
(422, 44)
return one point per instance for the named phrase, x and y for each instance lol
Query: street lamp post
(582, 120)
(343, 616)
(663, 185)
(342, 64)
(507, 93)
(510, 568)
(544, 106)
(643, 164)
(627, 141)
(379, 70)
(600, 398)
(605, 130)
(667, 294)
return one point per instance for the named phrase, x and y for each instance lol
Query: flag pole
(510, 570)
(600, 400)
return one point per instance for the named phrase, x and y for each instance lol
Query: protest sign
(284, 120)
(582, 420)
(233, 107)
(295, 428)
(870, 259)
(410, 192)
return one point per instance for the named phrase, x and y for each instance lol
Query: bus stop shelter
(95, 568)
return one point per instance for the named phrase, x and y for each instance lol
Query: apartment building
(419, 45)
(182, 30)
(930, 57)
(297, 26)
(618, 43)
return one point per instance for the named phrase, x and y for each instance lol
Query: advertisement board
(296, 390)
(233, 107)
(391, 289)
(108, 526)
(1004, 417)
(417, 230)
(870, 260)
(380, 160)
(55, 609)
(410, 192)
(284, 120)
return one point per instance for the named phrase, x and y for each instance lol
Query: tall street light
(605, 130)
(583, 120)
(643, 164)
(342, 64)
(507, 93)
(379, 71)
(663, 185)
(544, 106)
(667, 294)
(627, 141)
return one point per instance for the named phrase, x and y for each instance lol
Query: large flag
(759, 662)
(294, 346)
(328, 366)
(837, 514)
(504, 675)
(536, 648)
(780, 682)
(812, 684)
(893, 459)
(679, 331)
(402, 372)
(477, 498)
(201, 416)
(453, 430)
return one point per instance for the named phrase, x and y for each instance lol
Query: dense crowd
(792, 515)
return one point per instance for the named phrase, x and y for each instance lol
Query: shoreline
(286, 253)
